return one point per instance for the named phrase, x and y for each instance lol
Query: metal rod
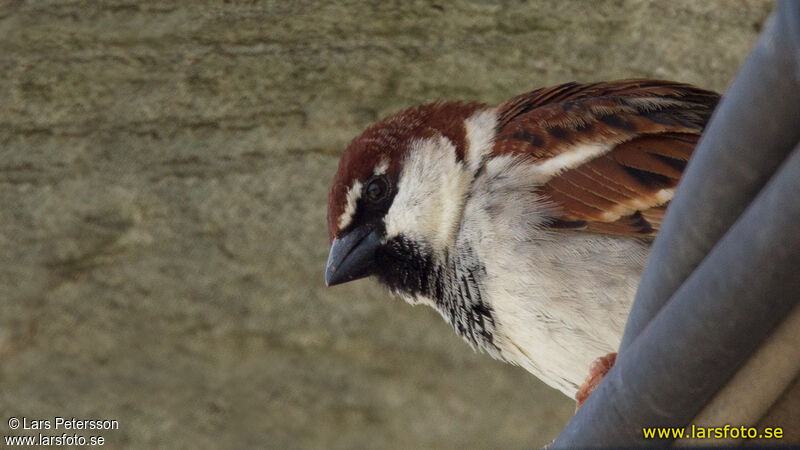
(755, 126)
(722, 274)
(719, 316)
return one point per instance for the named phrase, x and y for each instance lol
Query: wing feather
(612, 153)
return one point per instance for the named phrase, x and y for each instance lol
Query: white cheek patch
(430, 194)
(353, 195)
(480, 136)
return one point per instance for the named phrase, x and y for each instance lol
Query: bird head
(398, 194)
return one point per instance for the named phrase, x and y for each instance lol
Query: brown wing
(613, 152)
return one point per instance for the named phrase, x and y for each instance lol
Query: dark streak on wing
(650, 127)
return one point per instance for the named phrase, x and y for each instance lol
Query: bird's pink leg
(597, 371)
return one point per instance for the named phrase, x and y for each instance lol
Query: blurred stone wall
(163, 177)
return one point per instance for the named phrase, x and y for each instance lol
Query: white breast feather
(560, 299)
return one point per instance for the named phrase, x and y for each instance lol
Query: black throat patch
(453, 282)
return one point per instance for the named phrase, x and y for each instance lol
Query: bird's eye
(377, 189)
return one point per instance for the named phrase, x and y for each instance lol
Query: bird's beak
(352, 256)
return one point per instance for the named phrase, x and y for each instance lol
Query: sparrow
(526, 225)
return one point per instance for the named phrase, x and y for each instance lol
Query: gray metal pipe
(740, 292)
(753, 129)
(721, 274)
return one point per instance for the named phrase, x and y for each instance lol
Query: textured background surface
(163, 178)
